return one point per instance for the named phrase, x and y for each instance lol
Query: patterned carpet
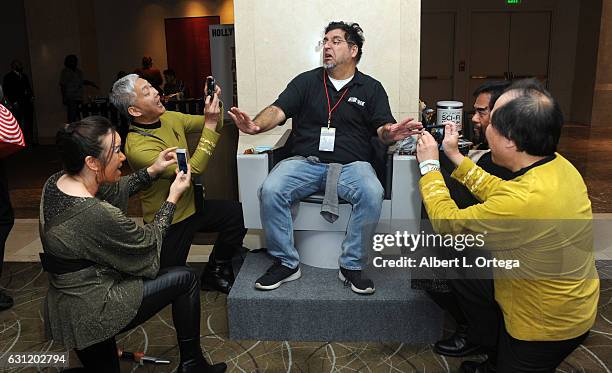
(21, 330)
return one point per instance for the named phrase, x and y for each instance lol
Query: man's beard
(329, 66)
(479, 137)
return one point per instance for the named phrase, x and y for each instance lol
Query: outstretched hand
(399, 131)
(243, 121)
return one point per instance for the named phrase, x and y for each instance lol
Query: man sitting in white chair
(336, 110)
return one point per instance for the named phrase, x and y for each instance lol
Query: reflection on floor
(21, 330)
(590, 151)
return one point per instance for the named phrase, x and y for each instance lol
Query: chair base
(319, 249)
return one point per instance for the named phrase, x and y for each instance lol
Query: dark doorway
(188, 50)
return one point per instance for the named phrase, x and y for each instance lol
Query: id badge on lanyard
(328, 134)
(327, 139)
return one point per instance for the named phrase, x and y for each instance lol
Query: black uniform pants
(486, 327)
(220, 216)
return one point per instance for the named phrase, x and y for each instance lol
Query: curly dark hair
(353, 33)
(495, 89)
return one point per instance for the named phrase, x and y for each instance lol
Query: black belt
(59, 266)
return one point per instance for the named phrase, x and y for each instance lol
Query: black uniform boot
(218, 275)
(457, 345)
(193, 361)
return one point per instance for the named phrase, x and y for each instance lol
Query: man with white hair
(152, 129)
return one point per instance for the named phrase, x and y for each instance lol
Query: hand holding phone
(210, 86)
(181, 159)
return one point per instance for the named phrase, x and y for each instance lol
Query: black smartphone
(181, 159)
(210, 86)
(437, 131)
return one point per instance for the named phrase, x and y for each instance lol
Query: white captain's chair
(318, 241)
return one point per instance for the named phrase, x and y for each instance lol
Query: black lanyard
(141, 132)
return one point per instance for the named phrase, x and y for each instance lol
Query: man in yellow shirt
(547, 306)
(153, 128)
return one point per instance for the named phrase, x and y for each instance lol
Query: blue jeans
(294, 179)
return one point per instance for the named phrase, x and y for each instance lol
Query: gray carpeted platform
(318, 307)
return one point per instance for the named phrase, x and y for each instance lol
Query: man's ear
(354, 50)
(133, 111)
(92, 163)
(509, 144)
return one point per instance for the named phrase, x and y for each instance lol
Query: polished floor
(590, 150)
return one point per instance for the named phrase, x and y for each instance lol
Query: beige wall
(276, 40)
(602, 109)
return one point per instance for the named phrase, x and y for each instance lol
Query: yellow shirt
(541, 218)
(142, 151)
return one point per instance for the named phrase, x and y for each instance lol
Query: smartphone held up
(181, 159)
(210, 86)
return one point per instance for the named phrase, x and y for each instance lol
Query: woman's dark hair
(77, 140)
(353, 33)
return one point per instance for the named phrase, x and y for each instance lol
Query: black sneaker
(276, 275)
(358, 284)
(6, 301)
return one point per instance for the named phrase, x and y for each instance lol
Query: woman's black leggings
(173, 285)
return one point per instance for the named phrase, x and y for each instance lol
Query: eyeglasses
(481, 110)
(335, 42)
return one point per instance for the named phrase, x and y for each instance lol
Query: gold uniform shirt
(555, 293)
(142, 151)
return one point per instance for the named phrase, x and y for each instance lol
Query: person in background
(149, 73)
(20, 99)
(71, 85)
(174, 89)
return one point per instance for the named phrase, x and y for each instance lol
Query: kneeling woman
(103, 268)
